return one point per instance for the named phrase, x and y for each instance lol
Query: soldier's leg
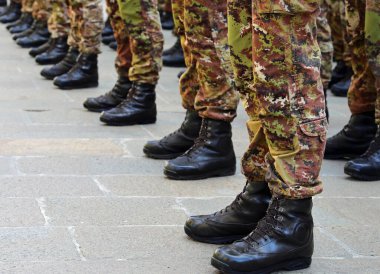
(354, 139)
(87, 25)
(238, 219)
(286, 60)
(123, 63)
(142, 22)
(25, 20)
(59, 28)
(40, 35)
(367, 166)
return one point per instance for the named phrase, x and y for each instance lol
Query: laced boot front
(23, 24)
(212, 154)
(233, 222)
(84, 74)
(39, 36)
(56, 52)
(354, 139)
(177, 142)
(110, 99)
(138, 108)
(282, 240)
(367, 166)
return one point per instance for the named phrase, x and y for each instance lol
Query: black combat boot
(113, 45)
(112, 98)
(367, 166)
(41, 49)
(62, 67)
(354, 139)
(178, 142)
(340, 89)
(173, 57)
(108, 39)
(340, 72)
(235, 221)
(167, 21)
(12, 14)
(3, 8)
(56, 52)
(212, 154)
(138, 108)
(25, 33)
(24, 23)
(107, 30)
(282, 240)
(84, 74)
(39, 36)
(3, 3)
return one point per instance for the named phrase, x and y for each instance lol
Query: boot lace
(234, 205)
(374, 146)
(200, 141)
(266, 226)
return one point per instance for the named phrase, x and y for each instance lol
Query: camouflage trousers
(59, 20)
(86, 23)
(207, 84)
(363, 26)
(27, 6)
(336, 17)
(276, 61)
(165, 5)
(137, 30)
(325, 43)
(41, 10)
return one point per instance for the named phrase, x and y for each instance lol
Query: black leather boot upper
(341, 88)
(23, 24)
(108, 39)
(56, 52)
(177, 142)
(167, 21)
(340, 72)
(138, 108)
(282, 240)
(41, 49)
(367, 166)
(212, 154)
(12, 13)
(27, 32)
(235, 221)
(84, 74)
(173, 57)
(62, 67)
(107, 30)
(354, 139)
(39, 36)
(113, 45)
(3, 3)
(112, 98)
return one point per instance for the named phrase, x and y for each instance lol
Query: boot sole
(216, 173)
(295, 264)
(361, 177)
(130, 123)
(88, 85)
(162, 156)
(213, 240)
(97, 110)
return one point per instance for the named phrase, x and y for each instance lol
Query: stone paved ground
(79, 197)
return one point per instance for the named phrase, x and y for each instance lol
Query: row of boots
(358, 141)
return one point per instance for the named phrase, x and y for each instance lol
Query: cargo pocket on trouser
(253, 163)
(286, 6)
(295, 174)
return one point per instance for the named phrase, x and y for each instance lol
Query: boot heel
(297, 264)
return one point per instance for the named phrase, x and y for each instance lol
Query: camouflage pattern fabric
(207, 84)
(165, 5)
(27, 6)
(363, 21)
(41, 10)
(337, 21)
(284, 100)
(86, 21)
(139, 37)
(325, 44)
(59, 21)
